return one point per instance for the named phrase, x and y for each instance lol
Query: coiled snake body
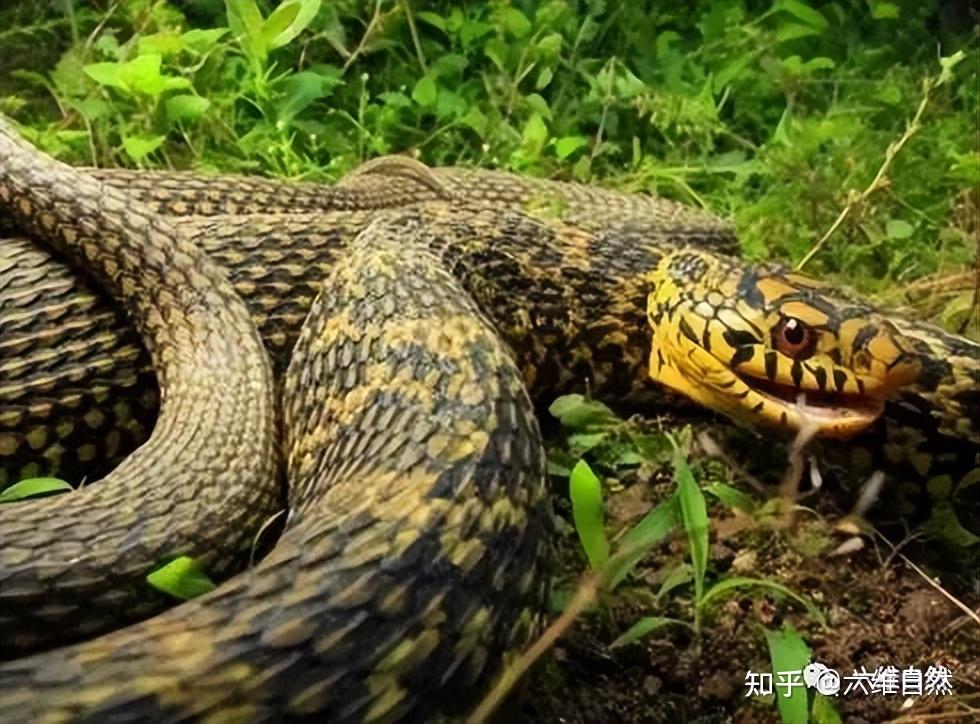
(418, 515)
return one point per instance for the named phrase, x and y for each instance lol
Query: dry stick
(415, 35)
(585, 596)
(855, 199)
(953, 599)
(588, 590)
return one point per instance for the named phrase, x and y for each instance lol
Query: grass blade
(646, 625)
(730, 584)
(34, 488)
(694, 514)
(585, 490)
(181, 578)
(789, 652)
(653, 528)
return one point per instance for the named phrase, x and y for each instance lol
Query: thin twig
(928, 579)
(855, 199)
(377, 20)
(585, 595)
(415, 35)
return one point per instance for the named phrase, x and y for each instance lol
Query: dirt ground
(879, 610)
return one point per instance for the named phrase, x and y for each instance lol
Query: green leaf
(138, 147)
(433, 19)
(34, 488)
(514, 21)
(730, 584)
(652, 528)
(944, 524)
(643, 627)
(694, 514)
(682, 573)
(794, 31)
(804, 13)
(246, 22)
(567, 145)
(544, 78)
(534, 136)
(884, 11)
(898, 229)
(789, 652)
(426, 91)
(732, 497)
(823, 710)
(577, 413)
(186, 107)
(201, 40)
(162, 44)
(107, 74)
(299, 90)
(585, 490)
(287, 21)
(584, 441)
(181, 578)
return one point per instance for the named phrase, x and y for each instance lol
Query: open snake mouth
(818, 405)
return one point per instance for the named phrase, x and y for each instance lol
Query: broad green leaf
(652, 528)
(803, 12)
(732, 497)
(201, 40)
(299, 90)
(884, 11)
(643, 627)
(181, 578)
(654, 448)
(287, 21)
(426, 91)
(584, 441)
(138, 147)
(245, 21)
(577, 413)
(544, 78)
(162, 44)
(789, 652)
(945, 525)
(514, 21)
(107, 74)
(186, 107)
(694, 515)
(898, 229)
(433, 19)
(585, 490)
(730, 584)
(567, 145)
(795, 31)
(34, 488)
(534, 136)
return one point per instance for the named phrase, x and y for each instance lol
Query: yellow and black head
(772, 348)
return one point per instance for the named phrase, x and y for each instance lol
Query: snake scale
(439, 307)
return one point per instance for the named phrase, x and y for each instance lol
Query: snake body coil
(419, 519)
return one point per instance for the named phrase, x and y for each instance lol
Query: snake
(414, 555)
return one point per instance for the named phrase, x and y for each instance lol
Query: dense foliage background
(770, 113)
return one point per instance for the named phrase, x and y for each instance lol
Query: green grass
(767, 113)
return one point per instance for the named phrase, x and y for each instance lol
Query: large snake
(418, 514)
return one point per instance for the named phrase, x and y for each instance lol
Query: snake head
(771, 348)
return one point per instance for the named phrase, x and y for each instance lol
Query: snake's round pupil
(794, 338)
(793, 332)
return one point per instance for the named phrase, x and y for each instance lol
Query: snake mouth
(833, 413)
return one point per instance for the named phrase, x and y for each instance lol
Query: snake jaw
(771, 349)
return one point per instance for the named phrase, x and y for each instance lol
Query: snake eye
(794, 338)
